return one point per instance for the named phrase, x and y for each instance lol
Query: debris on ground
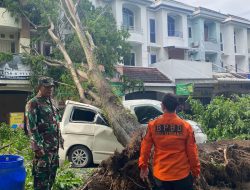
(225, 165)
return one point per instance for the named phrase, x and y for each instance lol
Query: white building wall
(198, 38)
(217, 63)
(228, 44)
(243, 41)
(248, 40)
(183, 69)
(242, 65)
(7, 20)
(161, 17)
(185, 30)
(117, 11)
(181, 26)
(228, 58)
(144, 24)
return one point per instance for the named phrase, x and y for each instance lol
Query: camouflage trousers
(44, 170)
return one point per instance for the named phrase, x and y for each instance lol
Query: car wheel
(80, 156)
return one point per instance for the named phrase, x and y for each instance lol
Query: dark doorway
(12, 101)
(176, 53)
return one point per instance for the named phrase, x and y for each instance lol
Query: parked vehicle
(89, 138)
(146, 110)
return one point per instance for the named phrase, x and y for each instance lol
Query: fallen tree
(223, 165)
(46, 17)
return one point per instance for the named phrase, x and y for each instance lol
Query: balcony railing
(132, 29)
(175, 33)
(213, 40)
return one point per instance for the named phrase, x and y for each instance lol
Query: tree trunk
(122, 121)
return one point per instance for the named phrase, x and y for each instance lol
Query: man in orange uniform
(175, 161)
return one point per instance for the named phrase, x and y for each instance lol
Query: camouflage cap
(45, 81)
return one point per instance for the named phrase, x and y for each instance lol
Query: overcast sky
(235, 7)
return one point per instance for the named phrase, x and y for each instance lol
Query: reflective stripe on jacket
(175, 151)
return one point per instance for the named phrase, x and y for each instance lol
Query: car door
(105, 142)
(80, 128)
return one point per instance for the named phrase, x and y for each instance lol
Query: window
(205, 32)
(82, 115)
(153, 58)
(12, 36)
(146, 113)
(130, 60)
(235, 49)
(171, 26)
(221, 42)
(189, 32)
(46, 49)
(101, 120)
(152, 30)
(128, 18)
(13, 47)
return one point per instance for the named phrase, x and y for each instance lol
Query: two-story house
(168, 34)
(234, 34)
(205, 36)
(14, 83)
(187, 44)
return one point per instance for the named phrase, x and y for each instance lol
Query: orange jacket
(175, 150)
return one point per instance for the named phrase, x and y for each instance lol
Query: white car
(88, 138)
(146, 110)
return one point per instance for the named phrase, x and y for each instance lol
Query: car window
(83, 115)
(100, 120)
(146, 113)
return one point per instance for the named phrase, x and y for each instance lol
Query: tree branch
(77, 3)
(94, 96)
(53, 63)
(99, 16)
(90, 40)
(33, 24)
(66, 15)
(25, 47)
(82, 35)
(82, 74)
(68, 60)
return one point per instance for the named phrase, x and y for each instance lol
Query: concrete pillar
(24, 40)
(144, 25)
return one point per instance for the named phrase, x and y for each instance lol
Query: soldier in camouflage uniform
(42, 118)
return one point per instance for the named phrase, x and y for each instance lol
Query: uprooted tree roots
(224, 165)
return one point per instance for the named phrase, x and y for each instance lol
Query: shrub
(224, 118)
(18, 143)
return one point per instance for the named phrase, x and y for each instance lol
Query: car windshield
(145, 114)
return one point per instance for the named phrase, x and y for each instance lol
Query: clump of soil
(225, 165)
